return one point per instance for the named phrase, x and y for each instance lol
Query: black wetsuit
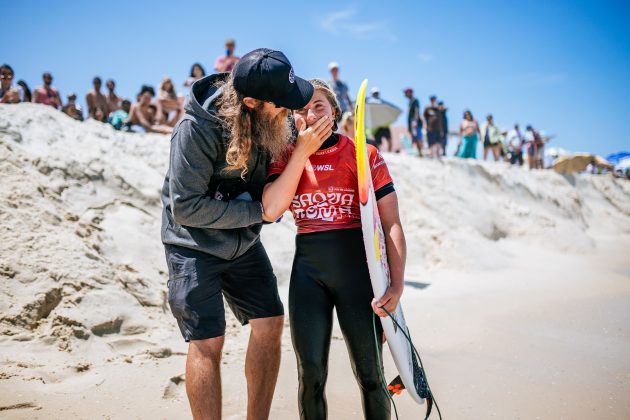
(330, 272)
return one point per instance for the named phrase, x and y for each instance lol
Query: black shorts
(198, 282)
(433, 137)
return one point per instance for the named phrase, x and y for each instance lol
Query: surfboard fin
(396, 386)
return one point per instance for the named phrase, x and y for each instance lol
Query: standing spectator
(536, 149)
(169, 103)
(196, 72)
(491, 135)
(28, 97)
(468, 137)
(46, 94)
(444, 141)
(8, 93)
(340, 88)
(225, 63)
(97, 102)
(515, 142)
(142, 113)
(382, 132)
(433, 120)
(113, 100)
(414, 120)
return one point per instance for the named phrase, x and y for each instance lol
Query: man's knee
(209, 349)
(270, 327)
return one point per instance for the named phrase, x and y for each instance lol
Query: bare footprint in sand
(175, 388)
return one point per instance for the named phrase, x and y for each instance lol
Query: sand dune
(518, 285)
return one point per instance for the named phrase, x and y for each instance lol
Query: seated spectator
(46, 94)
(113, 100)
(196, 73)
(95, 100)
(98, 114)
(170, 106)
(12, 96)
(71, 110)
(142, 113)
(72, 101)
(119, 119)
(9, 94)
(27, 92)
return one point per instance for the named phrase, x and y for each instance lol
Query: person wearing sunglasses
(46, 94)
(9, 94)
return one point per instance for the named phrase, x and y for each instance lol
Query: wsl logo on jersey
(319, 168)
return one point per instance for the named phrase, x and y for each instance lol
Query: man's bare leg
(262, 364)
(419, 147)
(203, 378)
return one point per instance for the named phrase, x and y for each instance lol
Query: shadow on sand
(416, 284)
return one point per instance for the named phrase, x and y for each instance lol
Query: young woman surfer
(329, 269)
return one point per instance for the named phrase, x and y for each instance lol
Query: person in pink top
(226, 62)
(46, 94)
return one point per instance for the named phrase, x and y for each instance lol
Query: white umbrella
(623, 164)
(379, 113)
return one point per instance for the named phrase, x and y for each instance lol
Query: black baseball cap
(267, 75)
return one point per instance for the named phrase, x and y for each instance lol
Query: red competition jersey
(327, 196)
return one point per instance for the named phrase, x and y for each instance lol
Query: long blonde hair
(238, 121)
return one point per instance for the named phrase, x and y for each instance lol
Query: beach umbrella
(379, 113)
(623, 164)
(615, 158)
(578, 163)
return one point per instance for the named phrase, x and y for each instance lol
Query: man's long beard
(272, 134)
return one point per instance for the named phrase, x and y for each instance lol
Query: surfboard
(400, 347)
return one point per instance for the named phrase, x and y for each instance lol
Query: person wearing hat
(226, 62)
(414, 120)
(234, 125)
(71, 108)
(340, 88)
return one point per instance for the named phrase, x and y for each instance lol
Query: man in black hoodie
(234, 124)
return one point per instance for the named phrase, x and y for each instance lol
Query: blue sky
(562, 66)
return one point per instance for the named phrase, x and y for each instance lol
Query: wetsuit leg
(353, 294)
(329, 271)
(311, 319)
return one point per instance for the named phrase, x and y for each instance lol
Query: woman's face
(467, 116)
(318, 107)
(197, 71)
(145, 98)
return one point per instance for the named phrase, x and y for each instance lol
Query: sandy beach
(517, 286)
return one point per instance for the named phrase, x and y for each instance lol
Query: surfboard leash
(396, 389)
(381, 367)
